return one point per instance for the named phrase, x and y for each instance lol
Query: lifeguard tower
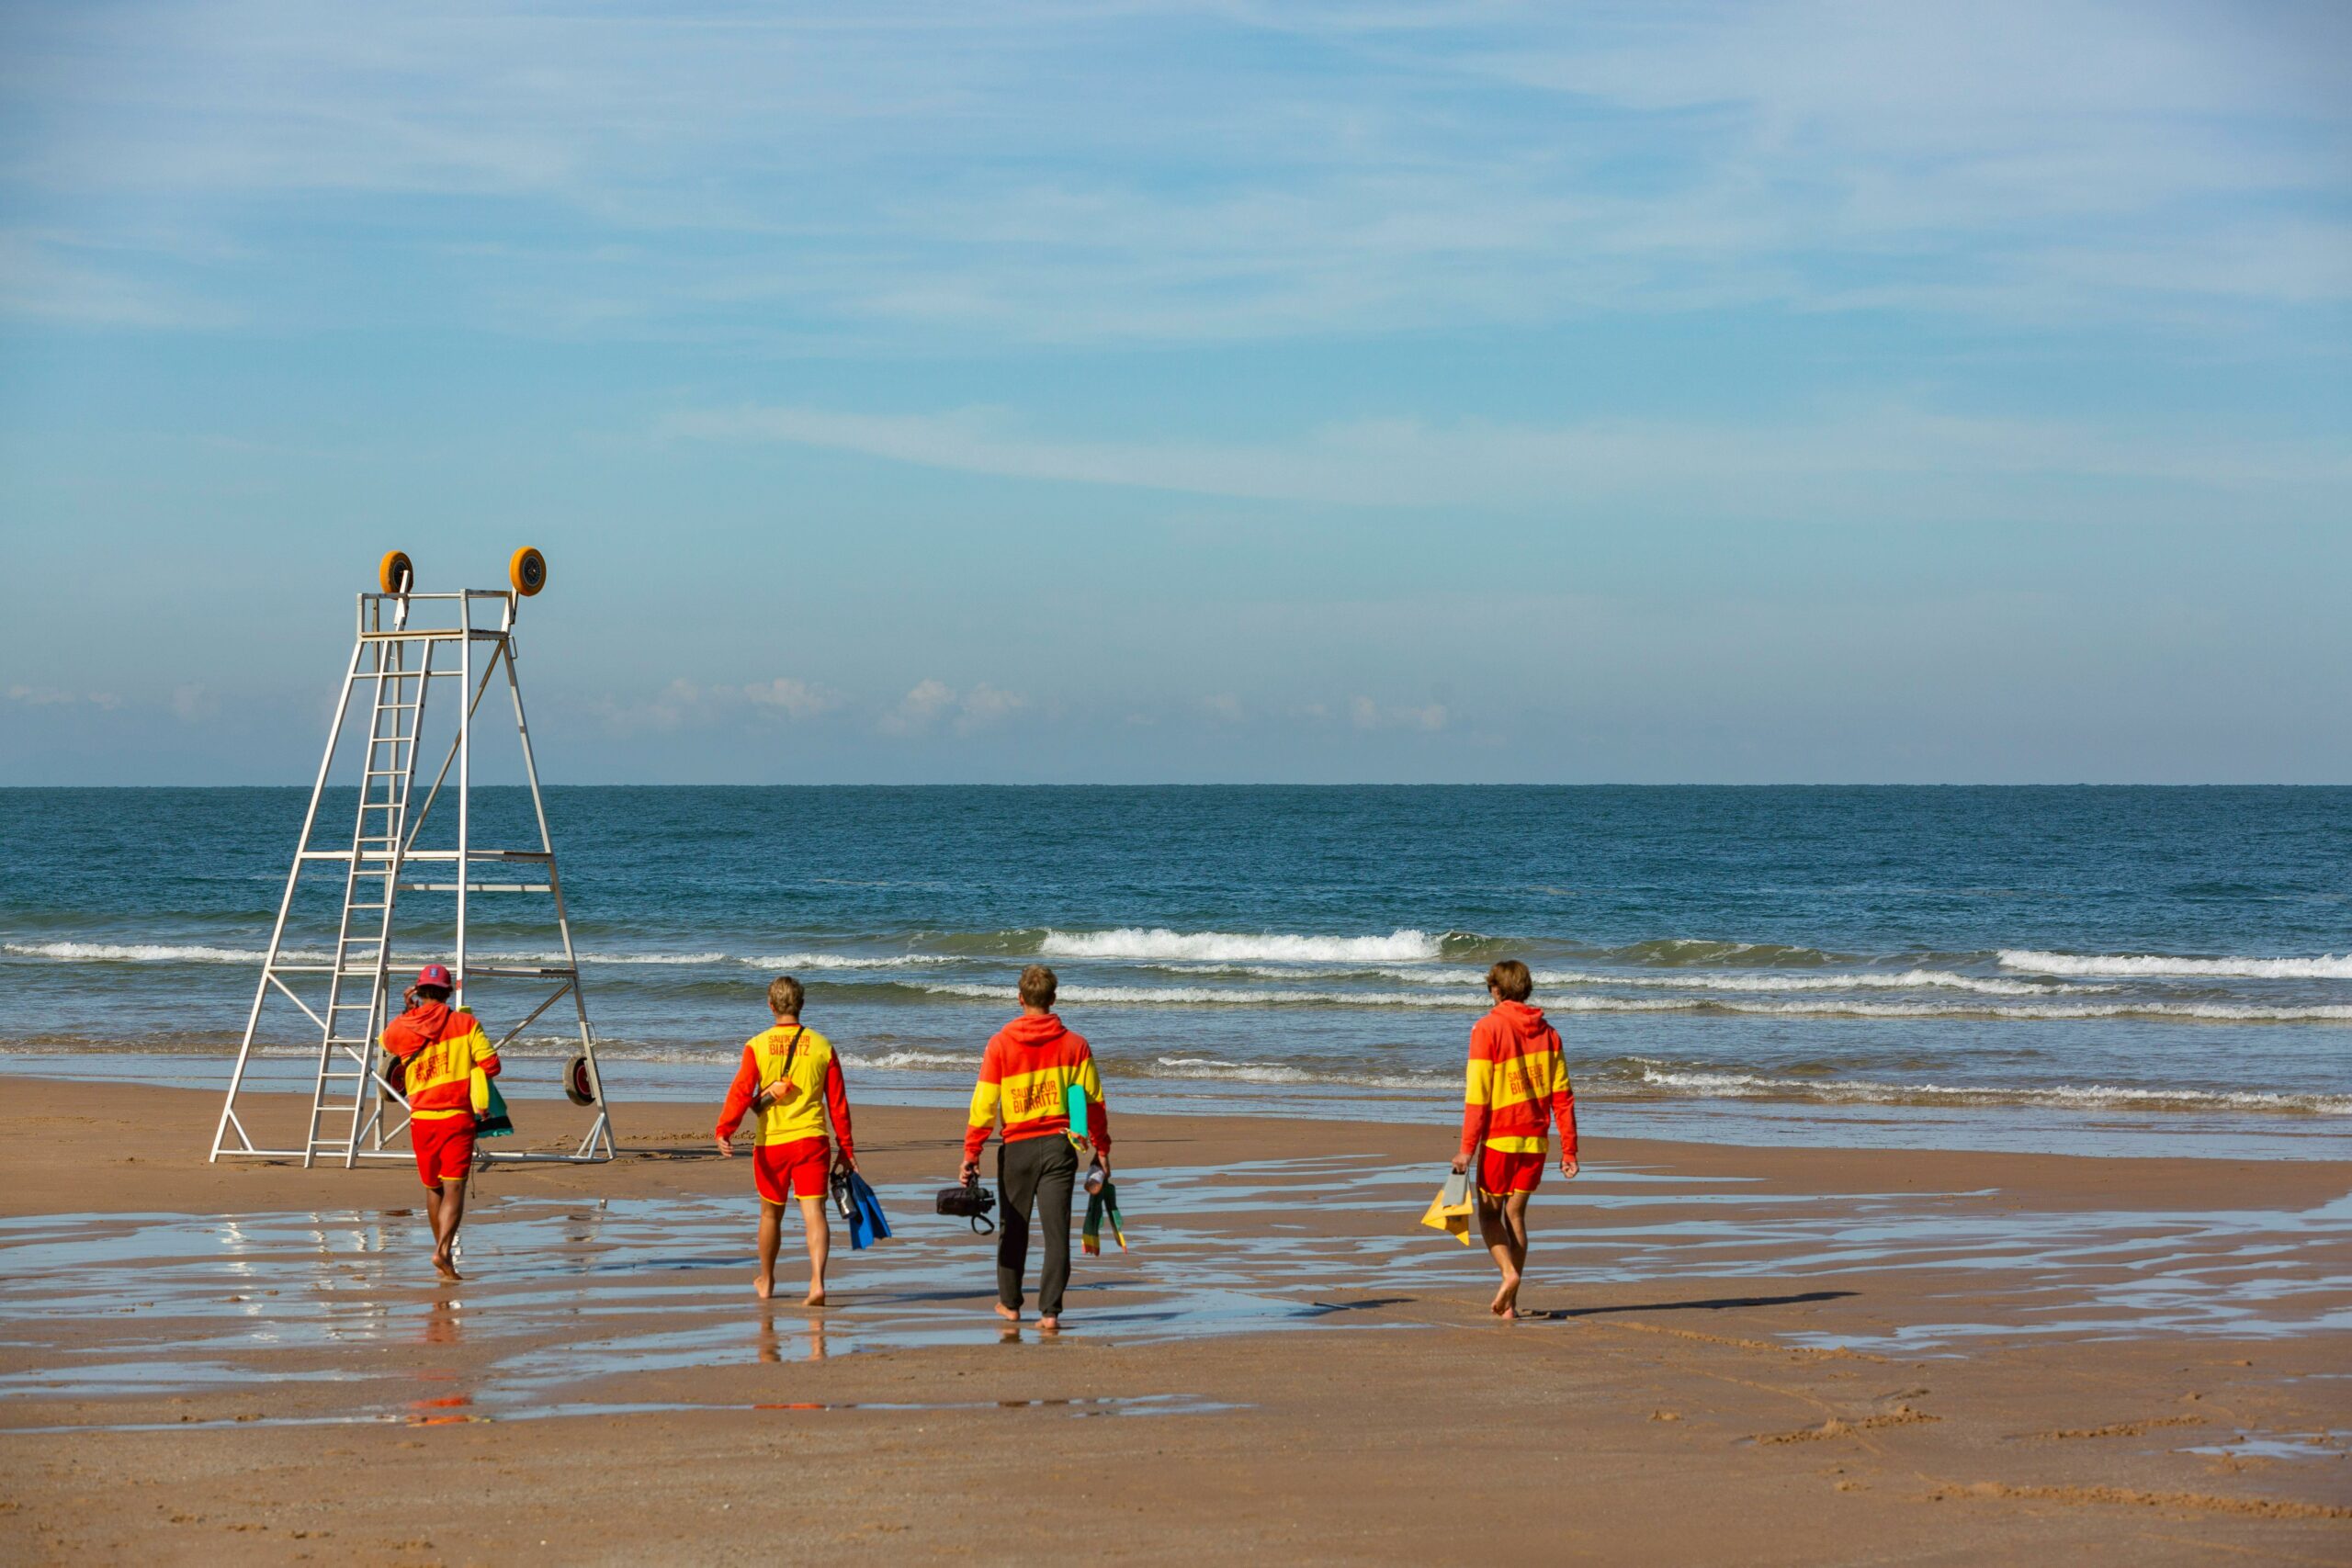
(339, 973)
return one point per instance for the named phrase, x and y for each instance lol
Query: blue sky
(1037, 392)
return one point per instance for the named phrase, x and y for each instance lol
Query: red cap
(436, 975)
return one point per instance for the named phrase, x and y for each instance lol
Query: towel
(490, 1120)
(1100, 1206)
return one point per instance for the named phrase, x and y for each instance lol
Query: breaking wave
(1160, 942)
(130, 952)
(2125, 965)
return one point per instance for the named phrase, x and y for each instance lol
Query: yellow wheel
(396, 575)
(527, 571)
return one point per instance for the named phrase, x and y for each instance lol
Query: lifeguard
(791, 1076)
(1518, 1085)
(441, 1052)
(1027, 1074)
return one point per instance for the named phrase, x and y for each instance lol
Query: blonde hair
(784, 996)
(1038, 986)
(1510, 978)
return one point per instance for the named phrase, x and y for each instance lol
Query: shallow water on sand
(564, 1295)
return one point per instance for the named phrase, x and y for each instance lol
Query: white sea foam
(555, 957)
(848, 961)
(132, 952)
(1133, 942)
(2325, 967)
(916, 1061)
(1754, 1085)
(1214, 996)
(1687, 980)
(2211, 1012)
(1213, 1069)
(1860, 980)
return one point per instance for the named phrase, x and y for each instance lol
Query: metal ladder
(354, 1113)
(378, 848)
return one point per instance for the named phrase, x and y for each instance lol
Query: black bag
(970, 1201)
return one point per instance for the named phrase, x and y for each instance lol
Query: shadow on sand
(1715, 1303)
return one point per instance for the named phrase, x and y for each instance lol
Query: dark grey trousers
(1042, 1171)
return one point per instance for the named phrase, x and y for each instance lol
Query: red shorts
(445, 1147)
(796, 1169)
(1500, 1174)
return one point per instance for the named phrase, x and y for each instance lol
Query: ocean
(2127, 970)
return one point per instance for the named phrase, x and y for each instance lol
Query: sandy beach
(1824, 1356)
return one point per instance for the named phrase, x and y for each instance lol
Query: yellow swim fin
(1454, 1219)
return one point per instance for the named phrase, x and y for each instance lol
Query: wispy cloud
(53, 697)
(46, 278)
(1869, 464)
(1156, 172)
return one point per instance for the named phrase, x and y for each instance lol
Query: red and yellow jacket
(805, 1078)
(1025, 1074)
(440, 1047)
(1518, 1084)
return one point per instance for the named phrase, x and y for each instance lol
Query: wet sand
(1752, 1355)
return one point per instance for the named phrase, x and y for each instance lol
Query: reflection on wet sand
(565, 1293)
(772, 1348)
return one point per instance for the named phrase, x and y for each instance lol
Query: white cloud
(1367, 714)
(932, 701)
(674, 706)
(920, 708)
(985, 705)
(794, 699)
(192, 702)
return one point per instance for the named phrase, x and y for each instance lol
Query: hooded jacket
(1026, 1077)
(439, 1047)
(1518, 1085)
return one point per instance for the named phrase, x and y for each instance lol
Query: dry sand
(1751, 1356)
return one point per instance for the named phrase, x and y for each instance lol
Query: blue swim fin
(867, 1223)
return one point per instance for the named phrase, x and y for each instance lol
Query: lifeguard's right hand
(727, 1148)
(1462, 1168)
(969, 1173)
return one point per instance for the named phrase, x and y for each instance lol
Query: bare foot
(1049, 1325)
(1010, 1314)
(815, 1298)
(764, 1285)
(446, 1267)
(1505, 1303)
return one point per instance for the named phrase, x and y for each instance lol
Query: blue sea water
(2106, 969)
